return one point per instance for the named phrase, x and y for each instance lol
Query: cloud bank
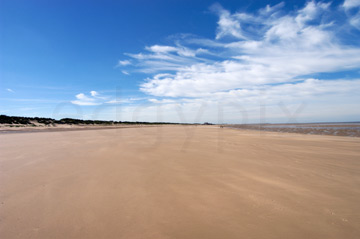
(263, 57)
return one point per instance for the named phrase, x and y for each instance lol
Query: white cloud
(10, 90)
(311, 12)
(284, 48)
(355, 20)
(94, 93)
(167, 58)
(125, 72)
(268, 10)
(117, 101)
(265, 56)
(228, 25)
(161, 49)
(354, 16)
(319, 99)
(351, 4)
(95, 98)
(163, 101)
(123, 63)
(123, 100)
(82, 99)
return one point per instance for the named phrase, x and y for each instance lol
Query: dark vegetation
(4, 119)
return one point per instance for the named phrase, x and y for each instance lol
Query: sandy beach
(350, 129)
(178, 182)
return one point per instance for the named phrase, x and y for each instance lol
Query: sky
(181, 61)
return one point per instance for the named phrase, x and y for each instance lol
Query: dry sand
(5, 128)
(178, 182)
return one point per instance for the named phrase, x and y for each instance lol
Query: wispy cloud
(258, 55)
(159, 58)
(352, 9)
(82, 99)
(10, 90)
(94, 93)
(266, 47)
(351, 4)
(123, 63)
(228, 24)
(95, 98)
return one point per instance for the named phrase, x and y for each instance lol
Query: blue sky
(181, 61)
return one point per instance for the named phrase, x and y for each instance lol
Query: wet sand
(335, 129)
(179, 182)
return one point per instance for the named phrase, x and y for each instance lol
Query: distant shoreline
(351, 129)
(18, 124)
(7, 130)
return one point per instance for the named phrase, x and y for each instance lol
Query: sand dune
(178, 182)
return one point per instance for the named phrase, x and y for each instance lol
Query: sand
(351, 129)
(9, 129)
(178, 182)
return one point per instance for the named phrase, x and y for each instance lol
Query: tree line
(4, 119)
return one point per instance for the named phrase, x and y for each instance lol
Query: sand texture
(335, 129)
(179, 182)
